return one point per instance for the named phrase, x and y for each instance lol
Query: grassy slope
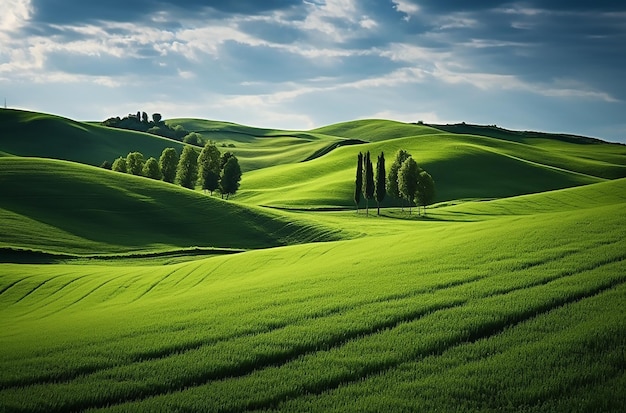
(91, 210)
(529, 306)
(462, 166)
(258, 148)
(41, 135)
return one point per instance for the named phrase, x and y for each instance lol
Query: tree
(119, 165)
(425, 194)
(106, 165)
(134, 163)
(138, 115)
(407, 180)
(187, 171)
(381, 189)
(368, 183)
(392, 178)
(151, 169)
(156, 118)
(144, 117)
(193, 138)
(168, 163)
(358, 183)
(209, 167)
(231, 175)
(225, 157)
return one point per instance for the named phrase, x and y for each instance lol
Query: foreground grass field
(119, 293)
(515, 312)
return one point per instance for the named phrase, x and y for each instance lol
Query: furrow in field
(337, 342)
(37, 287)
(154, 284)
(10, 285)
(364, 372)
(188, 346)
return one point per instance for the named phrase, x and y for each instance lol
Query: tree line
(210, 169)
(405, 181)
(156, 126)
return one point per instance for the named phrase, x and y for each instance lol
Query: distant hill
(25, 133)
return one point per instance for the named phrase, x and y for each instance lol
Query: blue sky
(551, 65)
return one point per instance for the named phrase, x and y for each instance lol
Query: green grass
(40, 135)
(91, 210)
(350, 325)
(119, 293)
(463, 167)
(258, 148)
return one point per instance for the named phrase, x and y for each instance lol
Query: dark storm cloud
(81, 11)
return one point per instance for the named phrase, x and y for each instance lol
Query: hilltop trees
(187, 171)
(358, 181)
(381, 189)
(209, 167)
(168, 163)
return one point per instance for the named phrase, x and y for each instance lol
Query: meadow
(118, 293)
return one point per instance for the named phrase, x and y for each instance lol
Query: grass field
(156, 298)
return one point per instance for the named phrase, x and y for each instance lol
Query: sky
(550, 65)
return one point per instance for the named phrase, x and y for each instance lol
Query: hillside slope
(61, 206)
(47, 136)
(463, 166)
(529, 307)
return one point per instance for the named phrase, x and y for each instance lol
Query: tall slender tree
(187, 171)
(425, 194)
(368, 184)
(231, 175)
(209, 167)
(358, 187)
(407, 180)
(392, 178)
(381, 177)
(168, 163)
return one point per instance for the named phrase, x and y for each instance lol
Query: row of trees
(405, 181)
(210, 169)
(155, 126)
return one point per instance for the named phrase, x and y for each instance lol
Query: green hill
(428, 316)
(47, 136)
(463, 166)
(258, 148)
(59, 206)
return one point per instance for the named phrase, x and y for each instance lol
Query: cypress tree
(368, 185)
(381, 189)
(358, 181)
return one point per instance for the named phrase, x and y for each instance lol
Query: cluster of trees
(405, 181)
(210, 169)
(156, 126)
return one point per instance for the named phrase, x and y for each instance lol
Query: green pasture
(427, 315)
(124, 294)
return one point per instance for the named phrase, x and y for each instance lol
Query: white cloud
(409, 9)
(14, 15)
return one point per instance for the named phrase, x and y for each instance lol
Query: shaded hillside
(40, 135)
(67, 207)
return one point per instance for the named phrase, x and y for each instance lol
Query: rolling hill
(90, 210)
(119, 293)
